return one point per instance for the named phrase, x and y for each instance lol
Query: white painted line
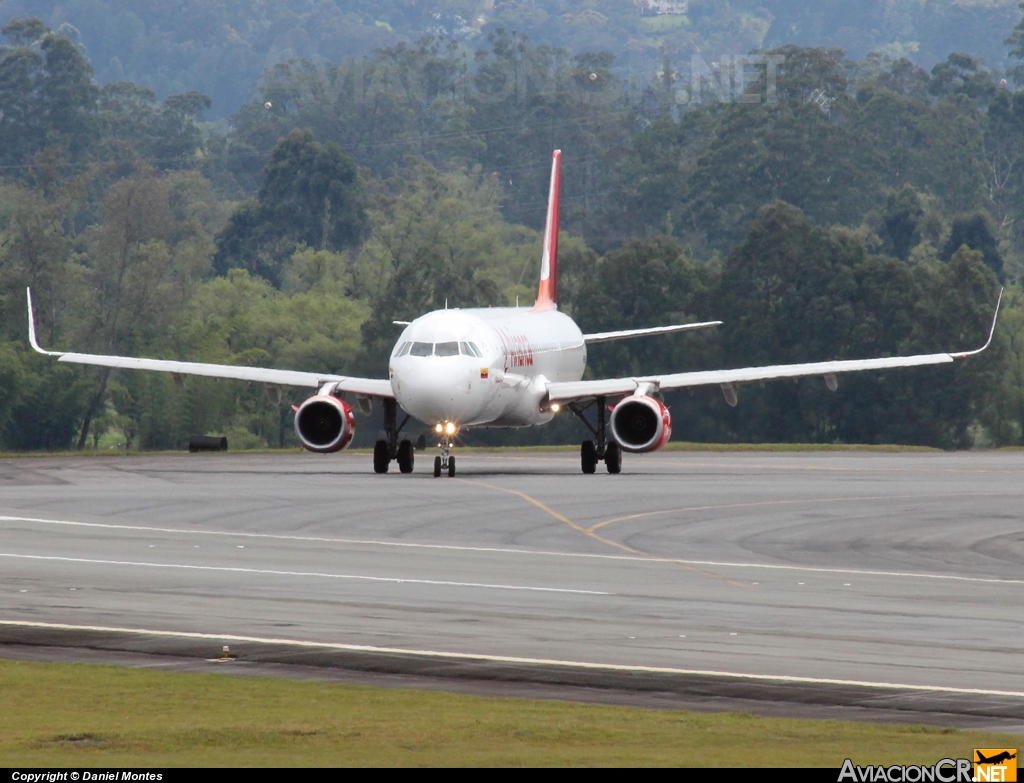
(511, 659)
(230, 569)
(510, 551)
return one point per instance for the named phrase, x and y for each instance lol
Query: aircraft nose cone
(438, 390)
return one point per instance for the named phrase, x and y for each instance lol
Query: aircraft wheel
(437, 467)
(588, 456)
(613, 458)
(451, 467)
(406, 456)
(381, 458)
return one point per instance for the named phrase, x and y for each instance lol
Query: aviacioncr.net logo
(942, 771)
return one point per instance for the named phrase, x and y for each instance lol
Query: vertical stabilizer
(547, 293)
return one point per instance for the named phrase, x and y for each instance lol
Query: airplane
(456, 369)
(996, 759)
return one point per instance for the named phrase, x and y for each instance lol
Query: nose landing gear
(445, 461)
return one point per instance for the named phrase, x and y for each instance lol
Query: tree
(128, 263)
(793, 150)
(905, 78)
(963, 74)
(793, 292)
(439, 238)
(240, 319)
(41, 402)
(163, 133)
(33, 251)
(1016, 42)
(898, 125)
(647, 283)
(974, 232)
(899, 222)
(530, 100)
(1004, 156)
(47, 96)
(785, 291)
(311, 195)
(787, 296)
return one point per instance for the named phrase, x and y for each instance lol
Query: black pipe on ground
(206, 443)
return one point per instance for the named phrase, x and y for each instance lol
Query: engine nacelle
(325, 424)
(640, 424)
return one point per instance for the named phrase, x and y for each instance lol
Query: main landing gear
(389, 447)
(591, 453)
(402, 450)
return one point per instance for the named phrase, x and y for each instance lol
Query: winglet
(32, 329)
(547, 292)
(991, 332)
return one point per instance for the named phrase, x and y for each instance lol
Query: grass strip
(96, 716)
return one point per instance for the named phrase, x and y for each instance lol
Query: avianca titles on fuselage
(499, 367)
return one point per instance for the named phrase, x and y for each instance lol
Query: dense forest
(823, 204)
(221, 48)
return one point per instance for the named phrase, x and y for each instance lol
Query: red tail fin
(547, 293)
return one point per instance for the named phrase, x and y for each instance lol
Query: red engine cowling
(325, 424)
(640, 424)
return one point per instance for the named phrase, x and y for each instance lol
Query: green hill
(220, 47)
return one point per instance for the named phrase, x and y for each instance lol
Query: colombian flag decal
(483, 373)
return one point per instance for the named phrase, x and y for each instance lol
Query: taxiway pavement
(898, 576)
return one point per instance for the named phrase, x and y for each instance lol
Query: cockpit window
(476, 351)
(422, 349)
(464, 349)
(446, 349)
(403, 349)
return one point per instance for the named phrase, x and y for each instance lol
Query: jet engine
(325, 424)
(640, 424)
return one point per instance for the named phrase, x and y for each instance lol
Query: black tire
(451, 467)
(588, 456)
(406, 456)
(437, 467)
(613, 458)
(381, 458)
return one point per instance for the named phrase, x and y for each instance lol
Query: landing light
(555, 407)
(449, 428)
(439, 428)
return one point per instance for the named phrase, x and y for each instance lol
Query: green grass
(88, 715)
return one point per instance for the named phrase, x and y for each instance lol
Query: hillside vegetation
(221, 48)
(823, 206)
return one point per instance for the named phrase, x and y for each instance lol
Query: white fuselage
(438, 376)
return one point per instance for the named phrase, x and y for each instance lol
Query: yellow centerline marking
(754, 504)
(591, 534)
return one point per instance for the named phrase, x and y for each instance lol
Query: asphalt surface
(862, 585)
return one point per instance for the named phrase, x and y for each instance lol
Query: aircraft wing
(568, 391)
(370, 387)
(604, 337)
